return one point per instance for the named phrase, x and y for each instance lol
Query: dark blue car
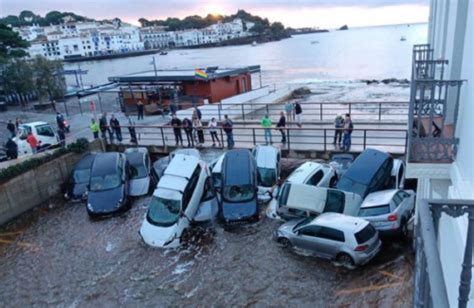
(239, 187)
(370, 172)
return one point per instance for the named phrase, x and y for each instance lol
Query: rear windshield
(374, 210)
(365, 234)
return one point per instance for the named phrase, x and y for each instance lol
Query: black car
(76, 186)
(239, 187)
(371, 171)
(108, 185)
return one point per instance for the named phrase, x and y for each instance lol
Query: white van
(42, 131)
(268, 169)
(175, 202)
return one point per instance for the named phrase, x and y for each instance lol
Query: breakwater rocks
(386, 81)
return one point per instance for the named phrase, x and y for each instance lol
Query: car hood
(76, 191)
(238, 211)
(156, 236)
(105, 201)
(139, 187)
(207, 210)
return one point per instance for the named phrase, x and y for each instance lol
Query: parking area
(55, 255)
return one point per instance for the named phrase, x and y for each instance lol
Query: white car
(398, 174)
(140, 171)
(268, 169)
(160, 165)
(42, 131)
(310, 173)
(301, 200)
(175, 202)
(389, 211)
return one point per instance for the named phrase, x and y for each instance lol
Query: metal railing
(430, 289)
(304, 138)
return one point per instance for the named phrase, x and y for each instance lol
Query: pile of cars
(336, 210)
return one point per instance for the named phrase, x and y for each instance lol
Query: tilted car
(239, 188)
(209, 205)
(76, 186)
(140, 171)
(175, 202)
(268, 169)
(310, 173)
(301, 200)
(108, 186)
(350, 241)
(389, 210)
(160, 165)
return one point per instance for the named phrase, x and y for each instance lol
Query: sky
(292, 13)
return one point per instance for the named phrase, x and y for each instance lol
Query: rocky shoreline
(386, 81)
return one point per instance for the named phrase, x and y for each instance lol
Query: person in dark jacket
(131, 130)
(298, 112)
(60, 120)
(11, 128)
(227, 125)
(348, 127)
(115, 126)
(103, 125)
(12, 149)
(176, 123)
(140, 109)
(281, 126)
(338, 125)
(188, 129)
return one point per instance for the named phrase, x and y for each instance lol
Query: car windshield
(81, 176)
(346, 184)
(365, 234)
(374, 210)
(138, 171)
(163, 212)
(266, 177)
(105, 182)
(236, 193)
(303, 223)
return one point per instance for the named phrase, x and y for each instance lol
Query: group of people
(111, 128)
(194, 130)
(343, 130)
(11, 146)
(294, 112)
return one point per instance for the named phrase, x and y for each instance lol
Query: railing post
(380, 112)
(321, 112)
(288, 138)
(162, 136)
(466, 272)
(266, 106)
(243, 112)
(365, 138)
(350, 109)
(253, 135)
(325, 140)
(222, 137)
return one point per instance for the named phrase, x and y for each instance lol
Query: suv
(371, 171)
(349, 241)
(175, 202)
(239, 187)
(268, 169)
(108, 185)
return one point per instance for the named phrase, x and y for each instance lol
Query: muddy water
(56, 256)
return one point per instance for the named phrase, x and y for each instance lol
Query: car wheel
(345, 260)
(284, 242)
(333, 182)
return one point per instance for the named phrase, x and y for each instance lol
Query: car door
(329, 241)
(195, 193)
(306, 239)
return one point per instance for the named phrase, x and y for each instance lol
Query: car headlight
(119, 203)
(89, 207)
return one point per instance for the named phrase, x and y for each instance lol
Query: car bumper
(387, 229)
(364, 257)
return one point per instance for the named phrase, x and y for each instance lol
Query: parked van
(239, 187)
(268, 169)
(42, 131)
(175, 202)
(371, 171)
(300, 200)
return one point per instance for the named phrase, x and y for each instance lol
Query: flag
(200, 74)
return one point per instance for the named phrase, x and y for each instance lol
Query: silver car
(389, 210)
(350, 241)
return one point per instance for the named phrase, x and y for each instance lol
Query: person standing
(131, 130)
(188, 129)
(103, 126)
(176, 123)
(12, 149)
(33, 142)
(199, 131)
(281, 126)
(60, 120)
(298, 112)
(348, 127)
(289, 111)
(115, 126)
(338, 125)
(94, 128)
(62, 137)
(213, 130)
(140, 109)
(267, 129)
(227, 125)
(18, 122)
(11, 128)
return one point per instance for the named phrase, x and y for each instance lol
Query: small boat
(163, 53)
(254, 43)
(403, 39)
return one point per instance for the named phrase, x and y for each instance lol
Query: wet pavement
(56, 256)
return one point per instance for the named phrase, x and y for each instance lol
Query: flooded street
(57, 256)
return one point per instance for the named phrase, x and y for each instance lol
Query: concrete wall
(38, 185)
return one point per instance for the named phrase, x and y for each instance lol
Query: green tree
(11, 44)
(18, 79)
(144, 22)
(48, 79)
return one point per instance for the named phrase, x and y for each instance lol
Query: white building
(443, 160)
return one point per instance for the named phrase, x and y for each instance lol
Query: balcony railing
(430, 289)
(433, 112)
